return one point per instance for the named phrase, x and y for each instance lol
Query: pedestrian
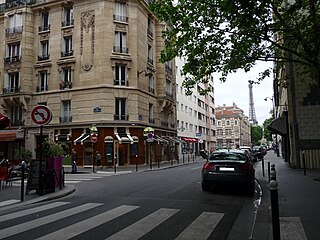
(74, 161)
(98, 160)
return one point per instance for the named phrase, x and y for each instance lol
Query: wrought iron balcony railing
(151, 90)
(121, 82)
(42, 88)
(150, 60)
(151, 120)
(13, 30)
(65, 119)
(121, 117)
(43, 57)
(12, 59)
(65, 85)
(67, 23)
(44, 28)
(67, 53)
(120, 49)
(120, 18)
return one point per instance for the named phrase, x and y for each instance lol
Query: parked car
(231, 166)
(259, 152)
(248, 149)
(203, 153)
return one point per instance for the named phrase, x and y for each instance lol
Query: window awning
(62, 137)
(81, 139)
(279, 126)
(179, 140)
(160, 139)
(8, 136)
(190, 139)
(172, 139)
(108, 139)
(124, 138)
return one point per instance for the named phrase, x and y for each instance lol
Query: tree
(256, 134)
(267, 133)
(227, 35)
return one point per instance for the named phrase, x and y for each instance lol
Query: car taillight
(208, 166)
(246, 166)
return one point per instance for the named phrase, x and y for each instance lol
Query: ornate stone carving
(87, 38)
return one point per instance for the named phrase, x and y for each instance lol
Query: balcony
(164, 124)
(172, 125)
(14, 30)
(150, 60)
(42, 88)
(121, 117)
(67, 23)
(120, 18)
(169, 95)
(17, 122)
(65, 85)
(67, 53)
(44, 28)
(43, 57)
(12, 59)
(9, 90)
(121, 82)
(151, 120)
(149, 33)
(120, 49)
(65, 119)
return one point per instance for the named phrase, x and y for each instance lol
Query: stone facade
(90, 62)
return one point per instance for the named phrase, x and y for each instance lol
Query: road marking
(291, 229)
(83, 226)
(145, 225)
(8, 202)
(16, 229)
(67, 181)
(31, 210)
(202, 227)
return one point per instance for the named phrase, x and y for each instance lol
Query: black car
(228, 166)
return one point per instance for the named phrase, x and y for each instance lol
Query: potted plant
(24, 154)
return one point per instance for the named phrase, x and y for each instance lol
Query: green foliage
(52, 149)
(256, 134)
(24, 154)
(227, 35)
(267, 133)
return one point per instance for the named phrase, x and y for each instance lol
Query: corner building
(95, 64)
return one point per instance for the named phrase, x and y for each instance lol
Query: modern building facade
(96, 65)
(195, 114)
(233, 127)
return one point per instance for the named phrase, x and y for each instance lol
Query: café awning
(278, 126)
(124, 138)
(190, 140)
(8, 136)
(81, 139)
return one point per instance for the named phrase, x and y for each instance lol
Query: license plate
(227, 169)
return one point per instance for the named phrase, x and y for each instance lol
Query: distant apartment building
(195, 114)
(96, 65)
(233, 127)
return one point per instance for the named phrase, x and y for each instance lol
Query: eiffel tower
(252, 112)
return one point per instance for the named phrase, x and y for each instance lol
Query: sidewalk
(299, 202)
(10, 196)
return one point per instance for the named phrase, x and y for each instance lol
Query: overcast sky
(236, 90)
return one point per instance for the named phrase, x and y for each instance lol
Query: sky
(236, 90)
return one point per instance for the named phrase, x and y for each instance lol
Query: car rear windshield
(227, 156)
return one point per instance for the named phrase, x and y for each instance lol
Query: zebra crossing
(199, 229)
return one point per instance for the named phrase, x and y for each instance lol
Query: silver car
(228, 166)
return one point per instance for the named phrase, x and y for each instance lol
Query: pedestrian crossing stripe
(83, 226)
(16, 229)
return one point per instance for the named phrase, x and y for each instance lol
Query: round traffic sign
(94, 137)
(41, 115)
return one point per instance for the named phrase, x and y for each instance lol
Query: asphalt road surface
(159, 205)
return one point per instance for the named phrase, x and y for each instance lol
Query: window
(15, 24)
(186, 109)
(149, 29)
(120, 12)
(44, 50)
(190, 111)
(219, 132)
(44, 24)
(191, 127)
(13, 52)
(65, 111)
(169, 89)
(12, 83)
(228, 123)
(67, 16)
(66, 78)
(235, 122)
(151, 116)
(16, 115)
(187, 126)
(228, 131)
(151, 84)
(67, 46)
(120, 42)
(150, 55)
(121, 109)
(219, 123)
(121, 75)
(43, 81)
(182, 107)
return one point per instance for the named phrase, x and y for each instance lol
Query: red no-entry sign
(94, 137)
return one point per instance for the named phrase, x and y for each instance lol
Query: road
(160, 204)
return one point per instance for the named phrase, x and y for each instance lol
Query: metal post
(136, 163)
(183, 157)
(188, 157)
(23, 165)
(304, 164)
(150, 161)
(40, 163)
(262, 166)
(178, 159)
(269, 172)
(115, 164)
(273, 185)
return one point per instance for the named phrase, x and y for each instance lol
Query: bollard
(273, 176)
(115, 164)
(304, 164)
(178, 159)
(273, 185)
(273, 167)
(136, 163)
(269, 172)
(183, 157)
(262, 167)
(23, 163)
(188, 157)
(193, 156)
